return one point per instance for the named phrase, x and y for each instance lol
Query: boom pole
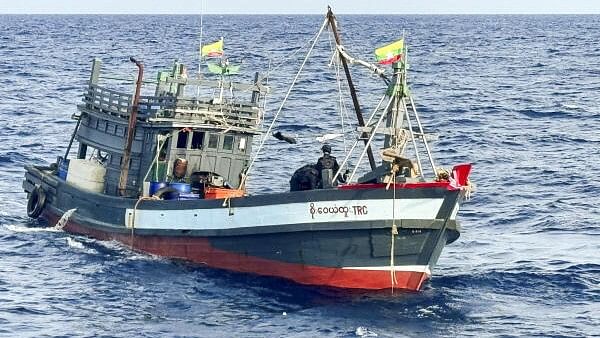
(359, 116)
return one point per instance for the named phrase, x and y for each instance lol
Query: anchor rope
(143, 198)
(393, 233)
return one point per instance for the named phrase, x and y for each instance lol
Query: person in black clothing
(327, 162)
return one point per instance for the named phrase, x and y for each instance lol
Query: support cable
(268, 132)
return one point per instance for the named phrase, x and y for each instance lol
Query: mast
(359, 116)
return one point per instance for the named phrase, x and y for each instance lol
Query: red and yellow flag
(214, 49)
(391, 53)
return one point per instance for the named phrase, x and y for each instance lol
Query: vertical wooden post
(255, 94)
(96, 65)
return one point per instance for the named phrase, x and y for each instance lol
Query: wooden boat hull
(338, 238)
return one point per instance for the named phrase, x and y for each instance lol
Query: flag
(391, 53)
(214, 49)
(225, 69)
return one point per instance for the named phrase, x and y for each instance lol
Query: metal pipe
(412, 136)
(131, 128)
(383, 114)
(371, 67)
(412, 103)
(359, 116)
(72, 137)
(347, 158)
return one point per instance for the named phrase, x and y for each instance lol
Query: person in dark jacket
(327, 162)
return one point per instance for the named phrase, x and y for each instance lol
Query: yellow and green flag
(223, 69)
(391, 53)
(214, 49)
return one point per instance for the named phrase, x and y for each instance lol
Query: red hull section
(199, 250)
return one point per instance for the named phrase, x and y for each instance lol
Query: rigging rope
(341, 100)
(347, 158)
(335, 60)
(151, 198)
(289, 56)
(268, 132)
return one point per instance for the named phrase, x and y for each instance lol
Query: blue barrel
(63, 168)
(183, 196)
(182, 188)
(154, 186)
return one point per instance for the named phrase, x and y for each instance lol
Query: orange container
(220, 193)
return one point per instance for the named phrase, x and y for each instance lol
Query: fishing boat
(166, 174)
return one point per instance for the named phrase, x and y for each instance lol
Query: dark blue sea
(518, 96)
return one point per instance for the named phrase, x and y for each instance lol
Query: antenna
(200, 48)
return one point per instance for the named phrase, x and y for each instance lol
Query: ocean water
(518, 96)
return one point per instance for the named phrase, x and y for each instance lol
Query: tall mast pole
(359, 116)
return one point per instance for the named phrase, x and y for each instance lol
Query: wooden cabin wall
(220, 154)
(108, 136)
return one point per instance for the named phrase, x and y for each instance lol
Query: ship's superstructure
(213, 136)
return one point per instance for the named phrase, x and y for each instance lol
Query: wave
(576, 283)
(27, 229)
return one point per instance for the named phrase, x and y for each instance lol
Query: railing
(107, 101)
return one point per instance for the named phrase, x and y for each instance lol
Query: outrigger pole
(359, 116)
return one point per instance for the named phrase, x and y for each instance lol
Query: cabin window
(228, 142)
(242, 145)
(182, 139)
(213, 141)
(197, 139)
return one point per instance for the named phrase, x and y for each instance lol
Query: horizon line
(297, 14)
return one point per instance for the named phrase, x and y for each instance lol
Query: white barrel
(87, 175)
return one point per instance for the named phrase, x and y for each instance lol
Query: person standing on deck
(327, 162)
